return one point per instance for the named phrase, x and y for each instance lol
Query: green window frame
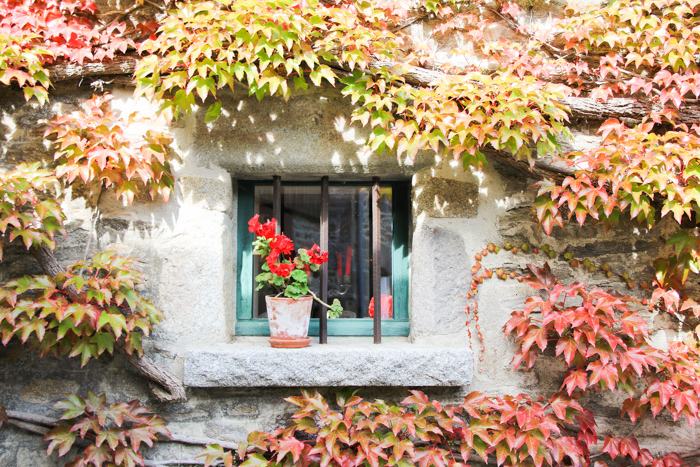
(246, 325)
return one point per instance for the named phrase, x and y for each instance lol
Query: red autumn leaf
(629, 447)
(289, 445)
(638, 359)
(574, 379)
(568, 347)
(602, 372)
(611, 446)
(534, 335)
(634, 408)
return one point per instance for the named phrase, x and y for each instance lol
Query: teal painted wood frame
(397, 326)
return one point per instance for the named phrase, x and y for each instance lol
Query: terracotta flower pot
(289, 321)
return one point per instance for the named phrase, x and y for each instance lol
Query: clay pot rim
(303, 298)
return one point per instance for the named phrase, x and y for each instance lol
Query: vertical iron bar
(323, 324)
(376, 261)
(277, 201)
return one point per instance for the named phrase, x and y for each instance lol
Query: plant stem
(319, 300)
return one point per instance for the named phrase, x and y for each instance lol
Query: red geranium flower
(285, 269)
(282, 270)
(281, 244)
(267, 230)
(318, 257)
(253, 224)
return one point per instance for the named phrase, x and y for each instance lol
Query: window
(349, 277)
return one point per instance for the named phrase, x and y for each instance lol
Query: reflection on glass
(349, 242)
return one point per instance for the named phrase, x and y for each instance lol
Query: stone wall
(187, 250)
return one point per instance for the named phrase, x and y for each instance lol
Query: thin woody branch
(121, 15)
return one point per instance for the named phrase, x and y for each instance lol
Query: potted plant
(289, 311)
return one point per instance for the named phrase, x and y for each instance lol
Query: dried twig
(36, 429)
(121, 16)
(31, 418)
(404, 24)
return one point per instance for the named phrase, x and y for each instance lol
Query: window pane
(350, 249)
(301, 221)
(385, 207)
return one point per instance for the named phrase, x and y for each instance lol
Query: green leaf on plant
(277, 280)
(255, 460)
(295, 291)
(95, 403)
(347, 397)
(336, 309)
(103, 341)
(214, 453)
(299, 275)
(62, 437)
(213, 112)
(74, 406)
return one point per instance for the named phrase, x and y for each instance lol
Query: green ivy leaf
(73, 405)
(103, 341)
(346, 396)
(213, 453)
(213, 112)
(114, 319)
(255, 460)
(133, 343)
(62, 437)
(113, 437)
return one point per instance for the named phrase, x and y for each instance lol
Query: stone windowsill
(251, 362)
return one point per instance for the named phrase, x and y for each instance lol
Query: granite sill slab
(347, 362)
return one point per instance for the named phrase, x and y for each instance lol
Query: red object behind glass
(348, 264)
(387, 307)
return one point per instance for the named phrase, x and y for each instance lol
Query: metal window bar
(376, 260)
(323, 322)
